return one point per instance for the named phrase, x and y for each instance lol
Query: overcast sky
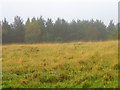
(104, 10)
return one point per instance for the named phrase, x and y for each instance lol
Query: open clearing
(67, 65)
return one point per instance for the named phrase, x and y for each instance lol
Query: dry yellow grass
(76, 64)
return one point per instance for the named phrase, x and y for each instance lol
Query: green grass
(68, 65)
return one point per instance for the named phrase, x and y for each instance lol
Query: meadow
(60, 65)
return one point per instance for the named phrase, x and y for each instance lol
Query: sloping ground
(68, 65)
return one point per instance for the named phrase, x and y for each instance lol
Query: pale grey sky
(104, 10)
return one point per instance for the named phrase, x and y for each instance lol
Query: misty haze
(59, 43)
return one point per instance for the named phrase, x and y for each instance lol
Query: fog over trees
(39, 30)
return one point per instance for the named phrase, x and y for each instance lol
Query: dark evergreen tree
(42, 24)
(18, 26)
(5, 31)
(112, 31)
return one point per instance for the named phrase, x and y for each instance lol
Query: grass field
(68, 65)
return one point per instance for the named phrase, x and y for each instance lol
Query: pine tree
(19, 29)
(5, 31)
(112, 31)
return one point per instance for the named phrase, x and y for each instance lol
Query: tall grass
(67, 65)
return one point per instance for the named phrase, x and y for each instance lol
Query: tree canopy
(37, 30)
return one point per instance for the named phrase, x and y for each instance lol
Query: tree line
(38, 30)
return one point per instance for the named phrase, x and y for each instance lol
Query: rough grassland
(68, 65)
